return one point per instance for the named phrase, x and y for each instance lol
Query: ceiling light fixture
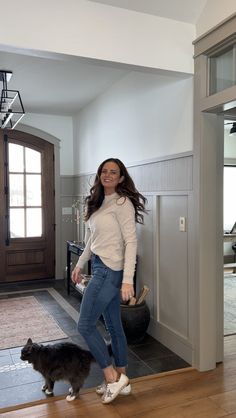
(233, 129)
(11, 106)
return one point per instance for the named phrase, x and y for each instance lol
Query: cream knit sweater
(113, 236)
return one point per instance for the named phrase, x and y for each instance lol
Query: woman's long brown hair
(125, 189)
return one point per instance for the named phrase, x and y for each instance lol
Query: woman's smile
(110, 177)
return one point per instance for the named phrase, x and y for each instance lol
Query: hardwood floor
(186, 393)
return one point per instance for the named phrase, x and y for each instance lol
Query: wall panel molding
(163, 264)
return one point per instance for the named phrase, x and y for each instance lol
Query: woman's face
(110, 177)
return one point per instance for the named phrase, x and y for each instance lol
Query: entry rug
(24, 317)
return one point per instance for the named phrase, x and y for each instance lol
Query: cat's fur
(60, 361)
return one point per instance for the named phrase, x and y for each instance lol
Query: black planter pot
(135, 320)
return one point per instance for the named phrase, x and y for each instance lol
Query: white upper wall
(214, 12)
(142, 117)
(138, 118)
(62, 128)
(87, 29)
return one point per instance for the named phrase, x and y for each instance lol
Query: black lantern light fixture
(11, 106)
(233, 129)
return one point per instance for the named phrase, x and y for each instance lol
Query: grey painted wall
(164, 263)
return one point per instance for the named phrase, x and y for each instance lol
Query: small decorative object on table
(84, 283)
(72, 248)
(78, 207)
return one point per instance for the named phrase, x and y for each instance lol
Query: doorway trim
(208, 163)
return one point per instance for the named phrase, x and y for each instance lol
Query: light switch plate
(182, 224)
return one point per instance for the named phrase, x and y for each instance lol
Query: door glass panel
(32, 161)
(16, 158)
(222, 71)
(25, 191)
(17, 223)
(16, 183)
(34, 222)
(33, 190)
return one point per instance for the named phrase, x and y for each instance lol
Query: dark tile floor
(19, 383)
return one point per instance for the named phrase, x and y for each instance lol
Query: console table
(77, 248)
(73, 247)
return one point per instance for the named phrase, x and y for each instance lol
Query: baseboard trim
(180, 346)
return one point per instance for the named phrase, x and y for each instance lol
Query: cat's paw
(48, 392)
(70, 398)
(44, 387)
(70, 391)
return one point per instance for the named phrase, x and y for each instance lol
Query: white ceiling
(64, 85)
(57, 86)
(183, 10)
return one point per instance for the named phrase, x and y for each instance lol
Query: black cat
(60, 361)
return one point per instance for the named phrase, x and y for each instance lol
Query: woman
(112, 209)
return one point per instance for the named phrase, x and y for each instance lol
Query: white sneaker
(101, 389)
(113, 389)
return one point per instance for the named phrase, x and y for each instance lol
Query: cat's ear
(29, 341)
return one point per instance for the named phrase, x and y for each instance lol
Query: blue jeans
(102, 297)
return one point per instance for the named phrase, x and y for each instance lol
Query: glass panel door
(27, 210)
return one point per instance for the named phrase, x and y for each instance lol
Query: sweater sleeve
(86, 255)
(126, 219)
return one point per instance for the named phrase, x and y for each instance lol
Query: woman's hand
(76, 275)
(127, 291)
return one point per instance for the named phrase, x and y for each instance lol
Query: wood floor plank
(202, 408)
(87, 405)
(175, 391)
(226, 400)
(188, 394)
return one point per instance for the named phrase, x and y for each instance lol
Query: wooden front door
(27, 218)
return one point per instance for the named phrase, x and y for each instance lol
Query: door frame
(208, 199)
(58, 218)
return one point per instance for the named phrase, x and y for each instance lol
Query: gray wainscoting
(164, 252)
